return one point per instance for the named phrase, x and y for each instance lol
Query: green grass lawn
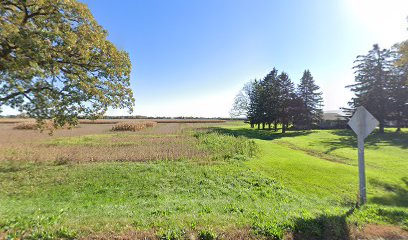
(326, 160)
(298, 182)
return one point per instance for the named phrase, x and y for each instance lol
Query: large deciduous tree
(240, 106)
(56, 62)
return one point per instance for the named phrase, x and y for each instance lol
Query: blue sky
(191, 57)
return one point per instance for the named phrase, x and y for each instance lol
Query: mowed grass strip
(306, 162)
(320, 161)
(308, 175)
(386, 158)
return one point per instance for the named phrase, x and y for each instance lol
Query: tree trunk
(263, 126)
(398, 126)
(259, 126)
(275, 126)
(269, 126)
(283, 127)
(381, 126)
(252, 125)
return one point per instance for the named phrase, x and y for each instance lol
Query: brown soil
(373, 231)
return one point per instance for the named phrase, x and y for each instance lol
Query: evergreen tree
(286, 90)
(373, 77)
(312, 101)
(398, 88)
(255, 110)
(271, 99)
(296, 110)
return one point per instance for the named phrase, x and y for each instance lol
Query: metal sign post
(362, 123)
(361, 170)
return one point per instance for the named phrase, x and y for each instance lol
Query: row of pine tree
(274, 100)
(381, 86)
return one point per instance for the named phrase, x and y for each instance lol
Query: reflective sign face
(362, 122)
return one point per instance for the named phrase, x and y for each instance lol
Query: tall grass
(222, 146)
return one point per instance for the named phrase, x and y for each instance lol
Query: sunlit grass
(269, 185)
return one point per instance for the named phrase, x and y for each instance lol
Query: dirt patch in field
(146, 235)
(373, 231)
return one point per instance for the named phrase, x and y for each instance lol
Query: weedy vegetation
(133, 126)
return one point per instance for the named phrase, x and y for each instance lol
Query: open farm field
(97, 142)
(199, 181)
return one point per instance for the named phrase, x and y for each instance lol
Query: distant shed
(331, 120)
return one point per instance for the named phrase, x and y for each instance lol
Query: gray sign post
(362, 123)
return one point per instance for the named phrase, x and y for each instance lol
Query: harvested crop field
(97, 142)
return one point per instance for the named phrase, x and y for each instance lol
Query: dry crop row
(123, 148)
(133, 126)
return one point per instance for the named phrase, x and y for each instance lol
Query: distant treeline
(274, 100)
(165, 119)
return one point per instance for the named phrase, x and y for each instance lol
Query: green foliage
(171, 234)
(381, 214)
(40, 226)
(273, 100)
(226, 147)
(272, 230)
(311, 109)
(381, 86)
(208, 234)
(56, 62)
(285, 98)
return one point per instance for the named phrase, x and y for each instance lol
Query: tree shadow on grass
(259, 134)
(336, 226)
(348, 139)
(323, 227)
(397, 196)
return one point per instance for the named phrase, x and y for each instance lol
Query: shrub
(207, 235)
(269, 230)
(133, 126)
(171, 234)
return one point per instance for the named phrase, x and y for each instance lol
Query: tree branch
(15, 94)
